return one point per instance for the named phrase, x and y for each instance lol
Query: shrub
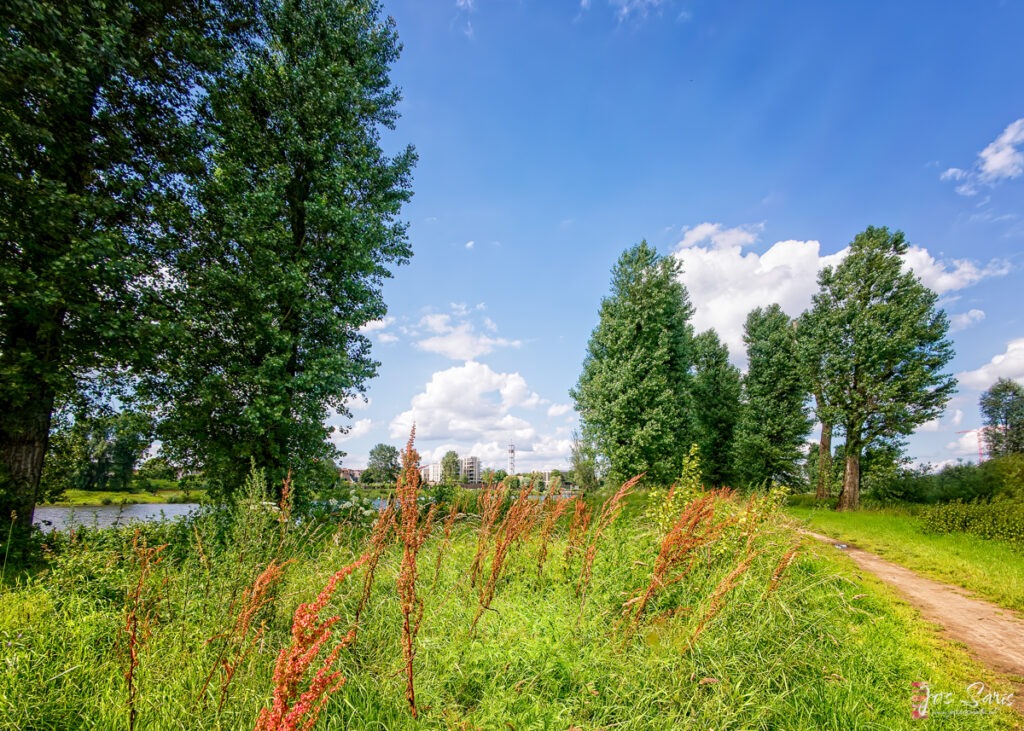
(1000, 519)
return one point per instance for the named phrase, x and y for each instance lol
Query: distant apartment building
(431, 473)
(469, 470)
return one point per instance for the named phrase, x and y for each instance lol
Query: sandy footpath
(993, 635)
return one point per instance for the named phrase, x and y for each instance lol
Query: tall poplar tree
(716, 407)
(774, 422)
(300, 230)
(633, 393)
(97, 130)
(881, 351)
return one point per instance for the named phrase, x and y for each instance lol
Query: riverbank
(96, 498)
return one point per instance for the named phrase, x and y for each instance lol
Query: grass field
(74, 498)
(739, 633)
(992, 569)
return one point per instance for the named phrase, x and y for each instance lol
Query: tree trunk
(26, 407)
(24, 434)
(824, 462)
(849, 498)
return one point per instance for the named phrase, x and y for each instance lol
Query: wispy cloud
(964, 320)
(641, 8)
(1002, 159)
(456, 335)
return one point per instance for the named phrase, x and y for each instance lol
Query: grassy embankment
(750, 636)
(992, 569)
(87, 498)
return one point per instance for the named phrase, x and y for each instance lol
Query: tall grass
(722, 623)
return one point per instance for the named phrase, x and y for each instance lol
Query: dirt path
(992, 634)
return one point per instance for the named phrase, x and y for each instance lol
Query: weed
(309, 635)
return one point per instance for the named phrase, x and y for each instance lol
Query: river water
(104, 516)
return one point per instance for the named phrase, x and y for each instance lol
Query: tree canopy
(773, 420)
(383, 463)
(716, 406)
(1002, 410)
(633, 393)
(880, 351)
(194, 205)
(299, 229)
(98, 127)
(450, 468)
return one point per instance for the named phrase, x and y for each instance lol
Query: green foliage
(1002, 520)
(877, 341)
(450, 468)
(585, 465)
(299, 230)
(667, 505)
(383, 463)
(633, 393)
(716, 394)
(960, 482)
(94, 449)
(1002, 409)
(773, 424)
(443, 494)
(98, 109)
(157, 468)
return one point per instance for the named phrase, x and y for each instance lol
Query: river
(104, 516)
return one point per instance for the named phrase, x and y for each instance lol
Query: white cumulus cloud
(964, 320)
(1008, 364)
(725, 283)
(455, 335)
(942, 277)
(1002, 159)
(478, 411)
(726, 280)
(360, 428)
(965, 445)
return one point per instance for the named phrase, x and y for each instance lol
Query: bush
(961, 482)
(1000, 519)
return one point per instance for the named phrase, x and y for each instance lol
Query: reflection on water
(104, 516)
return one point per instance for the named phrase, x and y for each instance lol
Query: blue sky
(753, 140)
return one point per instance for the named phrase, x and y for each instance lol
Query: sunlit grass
(82, 498)
(992, 569)
(818, 649)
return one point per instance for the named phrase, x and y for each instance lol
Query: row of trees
(196, 216)
(866, 361)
